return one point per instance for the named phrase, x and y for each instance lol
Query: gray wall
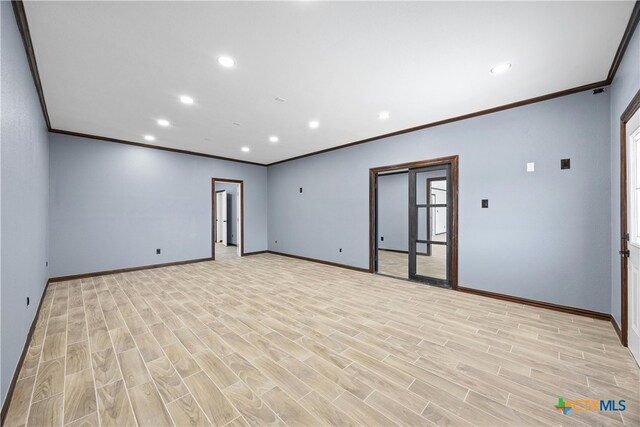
(546, 235)
(393, 214)
(24, 191)
(624, 87)
(232, 190)
(112, 205)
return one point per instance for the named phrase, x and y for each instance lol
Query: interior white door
(633, 221)
(218, 217)
(441, 213)
(238, 222)
(434, 200)
(224, 213)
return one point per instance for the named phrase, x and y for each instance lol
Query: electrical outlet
(28, 302)
(276, 241)
(300, 189)
(340, 250)
(485, 203)
(158, 251)
(565, 164)
(46, 264)
(531, 167)
(382, 238)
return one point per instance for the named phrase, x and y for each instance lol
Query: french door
(430, 216)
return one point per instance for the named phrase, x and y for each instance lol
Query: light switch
(531, 167)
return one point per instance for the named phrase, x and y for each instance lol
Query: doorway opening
(413, 221)
(227, 218)
(630, 227)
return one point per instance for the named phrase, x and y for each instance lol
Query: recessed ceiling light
(501, 68)
(314, 124)
(226, 61)
(274, 139)
(150, 137)
(163, 122)
(186, 99)
(384, 115)
(245, 149)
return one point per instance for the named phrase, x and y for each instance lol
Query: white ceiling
(113, 68)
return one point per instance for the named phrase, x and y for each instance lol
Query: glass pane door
(429, 216)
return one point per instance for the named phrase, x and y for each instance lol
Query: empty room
(317, 213)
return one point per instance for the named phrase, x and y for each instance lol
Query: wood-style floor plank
(77, 357)
(113, 405)
(212, 401)
(105, 367)
(79, 396)
(148, 407)
(20, 402)
(324, 411)
(90, 420)
(252, 408)
(47, 412)
(31, 362)
(287, 409)
(186, 412)
(133, 368)
(50, 379)
(167, 380)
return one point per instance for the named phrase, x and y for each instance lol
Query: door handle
(625, 253)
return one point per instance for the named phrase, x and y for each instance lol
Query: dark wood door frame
(631, 109)
(453, 229)
(214, 211)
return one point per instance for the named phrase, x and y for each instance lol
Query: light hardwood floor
(271, 340)
(226, 252)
